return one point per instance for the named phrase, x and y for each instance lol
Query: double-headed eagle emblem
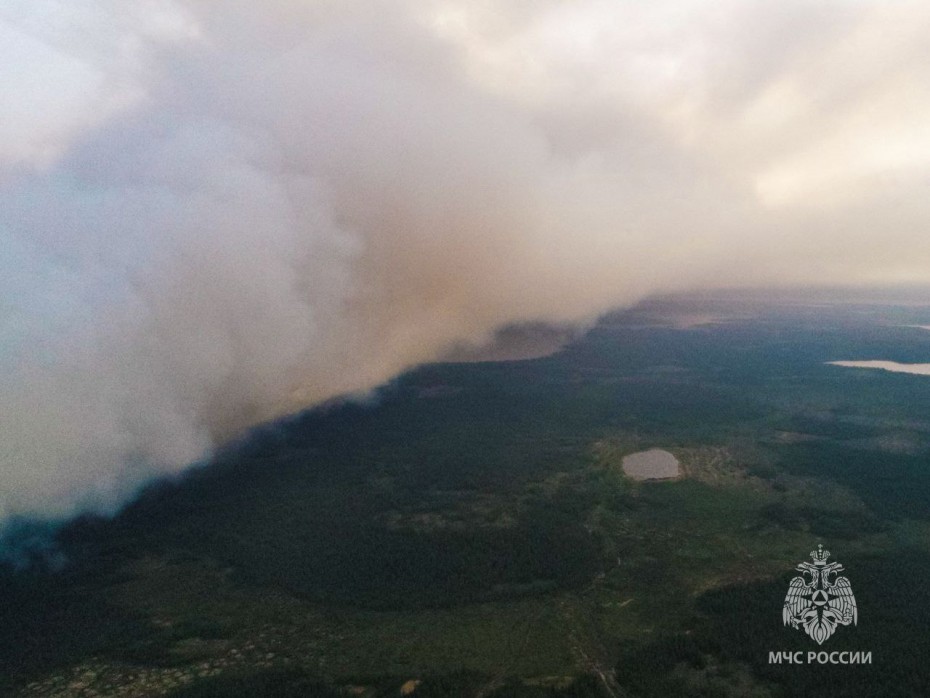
(819, 605)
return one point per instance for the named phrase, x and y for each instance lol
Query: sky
(214, 214)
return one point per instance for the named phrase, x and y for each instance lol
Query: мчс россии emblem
(819, 604)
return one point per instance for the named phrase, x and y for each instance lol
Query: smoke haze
(212, 214)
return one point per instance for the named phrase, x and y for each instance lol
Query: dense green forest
(470, 531)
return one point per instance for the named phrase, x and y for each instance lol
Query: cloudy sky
(213, 213)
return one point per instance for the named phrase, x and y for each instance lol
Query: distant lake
(893, 366)
(654, 464)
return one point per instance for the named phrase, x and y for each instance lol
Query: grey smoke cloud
(213, 214)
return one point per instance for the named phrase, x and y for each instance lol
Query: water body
(893, 366)
(654, 464)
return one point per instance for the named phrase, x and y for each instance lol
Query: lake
(893, 366)
(654, 464)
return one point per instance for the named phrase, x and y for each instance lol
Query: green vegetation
(473, 533)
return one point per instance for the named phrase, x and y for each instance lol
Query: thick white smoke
(215, 213)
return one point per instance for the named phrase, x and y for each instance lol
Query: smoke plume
(212, 214)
